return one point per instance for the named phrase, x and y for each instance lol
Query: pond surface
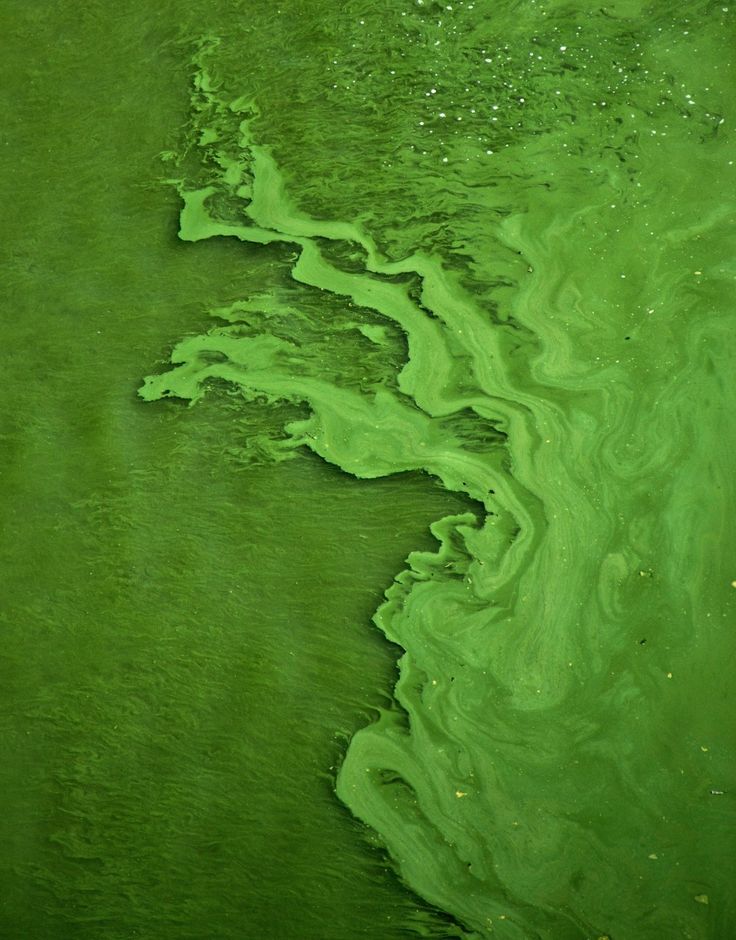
(366, 483)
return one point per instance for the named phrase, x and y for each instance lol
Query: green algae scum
(368, 558)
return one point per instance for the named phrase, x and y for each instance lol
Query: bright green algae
(561, 760)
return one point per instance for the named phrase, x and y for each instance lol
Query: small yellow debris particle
(704, 749)
(702, 899)
(653, 855)
(697, 272)
(733, 584)
(669, 675)
(459, 793)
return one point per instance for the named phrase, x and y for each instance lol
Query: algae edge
(424, 787)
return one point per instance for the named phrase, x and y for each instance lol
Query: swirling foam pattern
(559, 761)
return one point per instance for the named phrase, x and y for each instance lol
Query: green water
(460, 265)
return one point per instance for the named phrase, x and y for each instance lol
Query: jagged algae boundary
(466, 781)
(439, 609)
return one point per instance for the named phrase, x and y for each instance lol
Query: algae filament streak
(558, 348)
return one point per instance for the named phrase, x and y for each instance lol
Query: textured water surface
(451, 281)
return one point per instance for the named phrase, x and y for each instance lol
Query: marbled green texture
(453, 246)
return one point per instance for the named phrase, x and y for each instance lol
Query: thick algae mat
(485, 245)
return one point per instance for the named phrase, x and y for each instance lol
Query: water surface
(464, 265)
